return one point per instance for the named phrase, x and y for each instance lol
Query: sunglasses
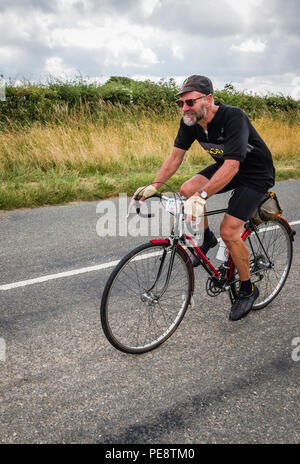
(189, 102)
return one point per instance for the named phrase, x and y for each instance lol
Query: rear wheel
(271, 253)
(141, 308)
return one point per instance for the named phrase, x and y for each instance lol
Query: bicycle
(150, 289)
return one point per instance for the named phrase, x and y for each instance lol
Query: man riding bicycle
(242, 163)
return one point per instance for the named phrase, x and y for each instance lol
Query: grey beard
(189, 121)
(196, 117)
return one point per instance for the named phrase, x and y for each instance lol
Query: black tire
(277, 243)
(134, 319)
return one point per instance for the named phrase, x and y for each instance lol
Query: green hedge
(255, 105)
(56, 100)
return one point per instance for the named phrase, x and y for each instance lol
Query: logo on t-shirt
(215, 150)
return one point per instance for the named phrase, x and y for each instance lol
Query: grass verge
(89, 160)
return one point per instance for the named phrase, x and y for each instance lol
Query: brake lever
(138, 208)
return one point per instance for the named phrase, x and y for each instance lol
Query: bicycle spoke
(141, 306)
(270, 259)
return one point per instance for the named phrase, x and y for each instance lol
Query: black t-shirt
(232, 136)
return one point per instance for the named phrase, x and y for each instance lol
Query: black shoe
(243, 305)
(206, 245)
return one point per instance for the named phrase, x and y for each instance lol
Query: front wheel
(146, 297)
(271, 253)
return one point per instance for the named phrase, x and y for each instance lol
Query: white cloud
(178, 52)
(85, 37)
(13, 28)
(251, 45)
(56, 67)
(295, 88)
(147, 57)
(245, 9)
(120, 42)
(148, 6)
(286, 84)
(9, 53)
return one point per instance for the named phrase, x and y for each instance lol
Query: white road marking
(60, 275)
(83, 270)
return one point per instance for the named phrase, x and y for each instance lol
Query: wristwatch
(203, 194)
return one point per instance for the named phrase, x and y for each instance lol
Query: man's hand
(194, 207)
(145, 192)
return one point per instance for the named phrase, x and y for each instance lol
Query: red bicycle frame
(244, 235)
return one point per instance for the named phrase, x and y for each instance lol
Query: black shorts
(243, 201)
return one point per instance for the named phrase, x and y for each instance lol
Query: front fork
(163, 258)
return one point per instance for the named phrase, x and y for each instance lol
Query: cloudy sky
(255, 44)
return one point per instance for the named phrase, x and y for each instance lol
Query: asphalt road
(213, 381)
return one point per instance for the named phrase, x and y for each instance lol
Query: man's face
(192, 114)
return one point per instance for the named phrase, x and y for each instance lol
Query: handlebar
(167, 198)
(177, 198)
(138, 209)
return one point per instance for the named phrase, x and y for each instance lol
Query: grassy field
(88, 159)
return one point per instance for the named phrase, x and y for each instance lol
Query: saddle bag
(268, 209)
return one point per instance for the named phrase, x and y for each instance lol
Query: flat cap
(197, 83)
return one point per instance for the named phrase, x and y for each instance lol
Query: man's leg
(230, 231)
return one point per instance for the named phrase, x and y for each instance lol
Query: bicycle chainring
(214, 286)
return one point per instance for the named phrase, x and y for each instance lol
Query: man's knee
(185, 190)
(226, 234)
(193, 185)
(230, 230)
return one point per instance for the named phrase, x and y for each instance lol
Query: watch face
(203, 195)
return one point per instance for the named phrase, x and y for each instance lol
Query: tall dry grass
(84, 145)
(282, 138)
(87, 159)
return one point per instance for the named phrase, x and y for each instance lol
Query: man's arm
(222, 177)
(169, 167)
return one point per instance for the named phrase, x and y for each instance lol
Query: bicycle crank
(214, 287)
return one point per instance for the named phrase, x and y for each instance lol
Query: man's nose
(185, 107)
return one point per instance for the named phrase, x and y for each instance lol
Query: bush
(255, 105)
(56, 100)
